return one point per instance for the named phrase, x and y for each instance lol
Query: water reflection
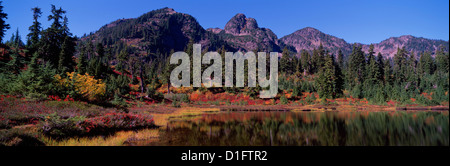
(280, 128)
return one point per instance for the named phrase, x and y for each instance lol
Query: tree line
(366, 75)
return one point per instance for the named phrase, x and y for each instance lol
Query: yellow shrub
(84, 85)
(134, 87)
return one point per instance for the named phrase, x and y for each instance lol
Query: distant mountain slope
(156, 31)
(309, 38)
(388, 47)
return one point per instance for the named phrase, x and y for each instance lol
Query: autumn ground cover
(24, 121)
(64, 121)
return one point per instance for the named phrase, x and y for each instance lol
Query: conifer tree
(387, 73)
(35, 31)
(317, 60)
(306, 62)
(356, 67)
(400, 65)
(101, 62)
(167, 71)
(17, 42)
(372, 69)
(122, 60)
(286, 62)
(17, 61)
(297, 64)
(52, 38)
(3, 25)
(66, 62)
(442, 61)
(426, 65)
(330, 83)
(82, 63)
(65, 27)
(411, 69)
(380, 63)
(340, 59)
(37, 80)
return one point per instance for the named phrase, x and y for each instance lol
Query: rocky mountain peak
(169, 10)
(240, 25)
(308, 30)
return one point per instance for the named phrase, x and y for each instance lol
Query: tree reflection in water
(310, 129)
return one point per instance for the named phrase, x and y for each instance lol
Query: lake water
(329, 128)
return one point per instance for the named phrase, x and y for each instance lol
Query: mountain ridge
(166, 29)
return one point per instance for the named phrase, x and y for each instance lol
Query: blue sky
(361, 21)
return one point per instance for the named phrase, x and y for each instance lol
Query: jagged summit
(240, 25)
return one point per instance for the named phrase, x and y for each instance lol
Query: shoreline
(318, 107)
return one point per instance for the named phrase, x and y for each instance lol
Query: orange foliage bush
(163, 89)
(288, 95)
(134, 87)
(364, 101)
(427, 95)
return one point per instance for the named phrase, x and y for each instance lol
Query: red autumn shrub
(58, 127)
(115, 121)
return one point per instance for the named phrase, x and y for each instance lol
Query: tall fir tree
(380, 62)
(297, 65)
(387, 76)
(35, 31)
(82, 62)
(66, 63)
(122, 60)
(52, 38)
(330, 83)
(317, 60)
(98, 65)
(169, 67)
(3, 25)
(372, 69)
(286, 62)
(340, 59)
(400, 65)
(356, 67)
(425, 65)
(306, 61)
(442, 60)
(411, 69)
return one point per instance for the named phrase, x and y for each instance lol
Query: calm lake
(329, 128)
